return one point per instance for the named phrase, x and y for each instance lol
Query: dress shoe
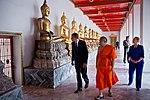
(99, 97)
(86, 86)
(78, 90)
(129, 84)
(137, 89)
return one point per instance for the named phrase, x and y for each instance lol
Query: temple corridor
(66, 90)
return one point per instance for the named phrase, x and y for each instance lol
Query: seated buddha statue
(74, 26)
(85, 32)
(80, 32)
(94, 35)
(64, 30)
(97, 36)
(90, 33)
(44, 23)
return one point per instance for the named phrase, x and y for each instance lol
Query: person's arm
(97, 56)
(113, 63)
(141, 55)
(112, 57)
(73, 56)
(85, 54)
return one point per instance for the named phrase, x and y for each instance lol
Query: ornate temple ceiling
(109, 15)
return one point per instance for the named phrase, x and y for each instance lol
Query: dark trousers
(139, 69)
(125, 55)
(80, 70)
(117, 47)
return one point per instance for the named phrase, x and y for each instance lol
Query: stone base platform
(48, 78)
(12, 94)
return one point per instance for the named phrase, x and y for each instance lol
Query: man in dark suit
(126, 47)
(80, 56)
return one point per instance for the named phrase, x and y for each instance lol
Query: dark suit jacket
(81, 54)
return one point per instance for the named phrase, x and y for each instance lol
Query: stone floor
(66, 90)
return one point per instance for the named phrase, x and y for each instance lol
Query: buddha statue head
(63, 19)
(74, 24)
(45, 9)
(80, 27)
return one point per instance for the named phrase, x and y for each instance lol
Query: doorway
(6, 55)
(11, 55)
(113, 39)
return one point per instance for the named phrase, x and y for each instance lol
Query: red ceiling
(109, 15)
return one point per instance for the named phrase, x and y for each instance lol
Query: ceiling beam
(109, 25)
(104, 11)
(102, 3)
(100, 17)
(115, 20)
(107, 19)
(106, 30)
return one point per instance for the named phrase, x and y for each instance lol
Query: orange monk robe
(105, 78)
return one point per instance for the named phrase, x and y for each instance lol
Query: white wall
(107, 34)
(146, 33)
(123, 34)
(130, 27)
(136, 20)
(21, 16)
(127, 26)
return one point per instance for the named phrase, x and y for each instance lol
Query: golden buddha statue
(64, 30)
(85, 32)
(74, 26)
(90, 33)
(80, 32)
(94, 37)
(44, 23)
(97, 37)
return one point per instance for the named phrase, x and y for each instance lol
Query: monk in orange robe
(105, 77)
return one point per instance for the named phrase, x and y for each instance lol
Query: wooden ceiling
(108, 15)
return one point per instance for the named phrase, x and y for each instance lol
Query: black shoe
(129, 84)
(137, 89)
(78, 90)
(86, 86)
(99, 97)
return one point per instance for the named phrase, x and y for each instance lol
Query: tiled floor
(66, 91)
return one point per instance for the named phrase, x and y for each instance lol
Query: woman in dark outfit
(136, 55)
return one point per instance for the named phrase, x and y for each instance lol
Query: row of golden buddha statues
(86, 35)
(90, 36)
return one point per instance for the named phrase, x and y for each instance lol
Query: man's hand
(134, 61)
(84, 65)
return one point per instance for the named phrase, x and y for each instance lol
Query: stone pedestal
(48, 78)
(12, 94)
(51, 65)
(8, 90)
